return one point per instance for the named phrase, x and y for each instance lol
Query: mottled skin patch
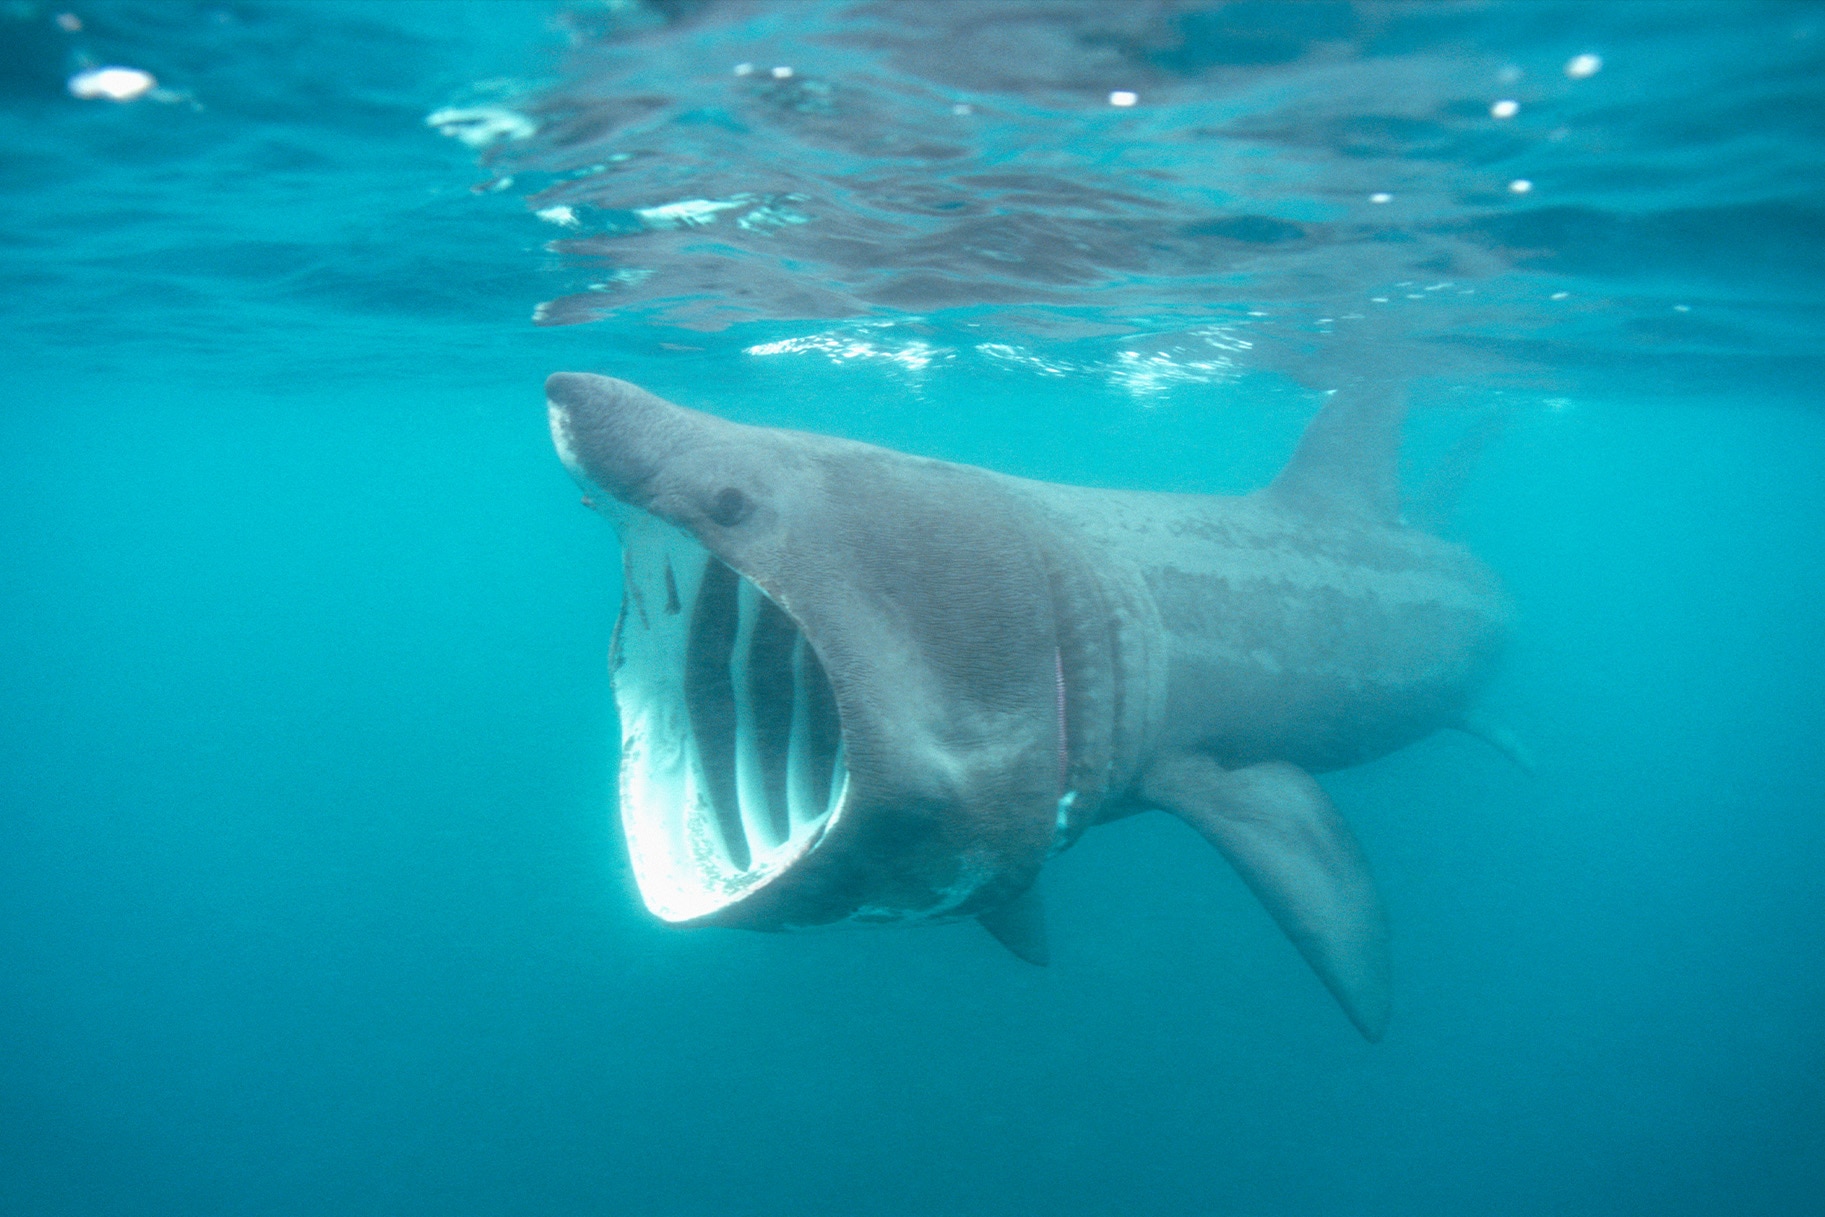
(1323, 641)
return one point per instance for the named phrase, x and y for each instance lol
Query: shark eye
(729, 507)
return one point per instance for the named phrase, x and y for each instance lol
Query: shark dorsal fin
(1348, 458)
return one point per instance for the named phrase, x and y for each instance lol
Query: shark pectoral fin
(1501, 739)
(1020, 926)
(1281, 833)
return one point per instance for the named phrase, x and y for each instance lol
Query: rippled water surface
(311, 894)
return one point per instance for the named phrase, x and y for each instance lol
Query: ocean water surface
(312, 895)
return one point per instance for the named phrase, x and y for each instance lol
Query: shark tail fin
(1279, 830)
(1348, 460)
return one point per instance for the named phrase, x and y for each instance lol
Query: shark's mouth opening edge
(732, 762)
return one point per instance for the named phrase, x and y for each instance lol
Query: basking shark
(859, 685)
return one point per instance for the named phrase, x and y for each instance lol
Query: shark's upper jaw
(732, 754)
(732, 759)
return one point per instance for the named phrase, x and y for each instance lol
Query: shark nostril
(729, 507)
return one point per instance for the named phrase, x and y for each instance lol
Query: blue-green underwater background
(312, 899)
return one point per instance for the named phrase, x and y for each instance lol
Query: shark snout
(611, 435)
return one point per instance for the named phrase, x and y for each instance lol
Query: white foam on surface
(915, 355)
(112, 84)
(481, 126)
(689, 213)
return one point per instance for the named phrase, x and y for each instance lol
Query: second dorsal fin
(1348, 460)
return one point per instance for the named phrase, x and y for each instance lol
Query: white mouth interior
(731, 746)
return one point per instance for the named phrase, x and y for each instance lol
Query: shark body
(856, 684)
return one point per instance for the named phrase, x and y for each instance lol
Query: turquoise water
(312, 899)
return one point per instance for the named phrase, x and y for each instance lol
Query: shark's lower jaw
(731, 745)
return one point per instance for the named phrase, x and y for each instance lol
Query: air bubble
(112, 84)
(1580, 67)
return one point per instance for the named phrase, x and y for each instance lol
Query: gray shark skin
(859, 685)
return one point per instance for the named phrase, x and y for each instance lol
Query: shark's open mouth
(731, 745)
